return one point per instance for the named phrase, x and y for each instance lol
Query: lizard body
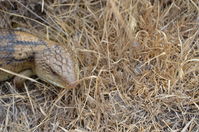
(51, 62)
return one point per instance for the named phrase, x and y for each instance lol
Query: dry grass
(140, 58)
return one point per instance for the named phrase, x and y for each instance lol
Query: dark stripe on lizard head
(31, 43)
(6, 52)
(8, 35)
(12, 60)
(9, 49)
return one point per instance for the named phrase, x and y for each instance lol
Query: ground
(138, 66)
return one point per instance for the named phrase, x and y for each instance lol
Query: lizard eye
(52, 71)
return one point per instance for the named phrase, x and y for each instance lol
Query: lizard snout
(57, 66)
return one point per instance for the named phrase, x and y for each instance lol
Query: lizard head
(56, 65)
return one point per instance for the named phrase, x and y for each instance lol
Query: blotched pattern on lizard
(27, 54)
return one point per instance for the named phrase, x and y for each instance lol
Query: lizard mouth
(63, 84)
